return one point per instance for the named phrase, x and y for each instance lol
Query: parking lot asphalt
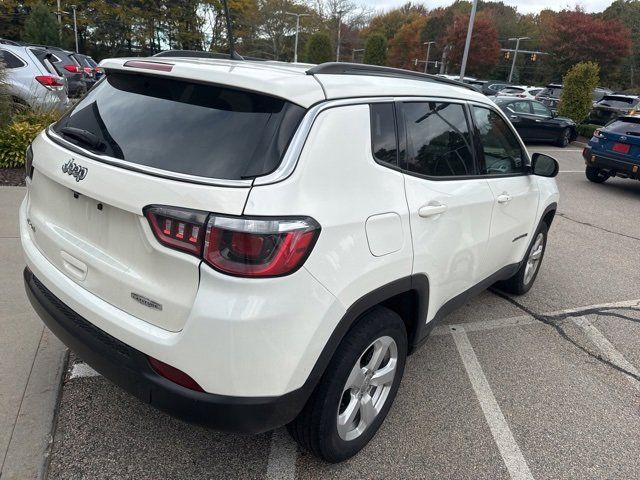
(543, 386)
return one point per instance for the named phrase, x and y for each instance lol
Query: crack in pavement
(565, 216)
(551, 320)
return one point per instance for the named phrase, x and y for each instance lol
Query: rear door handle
(504, 198)
(431, 210)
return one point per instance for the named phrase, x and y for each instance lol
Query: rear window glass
(512, 90)
(553, 92)
(617, 102)
(625, 126)
(9, 60)
(383, 133)
(183, 127)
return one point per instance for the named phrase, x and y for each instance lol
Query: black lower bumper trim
(130, 369)
(594, 159)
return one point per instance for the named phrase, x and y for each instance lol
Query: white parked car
(254, 244)
(520, 91)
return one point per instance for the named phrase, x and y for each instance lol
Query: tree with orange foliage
(484, 52)
(406, 45)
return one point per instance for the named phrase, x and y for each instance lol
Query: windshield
(178, 126)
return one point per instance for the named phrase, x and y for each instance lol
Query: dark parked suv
(611, 107)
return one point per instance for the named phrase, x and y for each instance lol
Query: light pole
(515, 54)
(339, 12)
(467, 43)
(295, 48)
(353, 53)
(426, 62)
(59, 13)
(75, 27)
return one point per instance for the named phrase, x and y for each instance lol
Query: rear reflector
(163, 67)
(174, 375)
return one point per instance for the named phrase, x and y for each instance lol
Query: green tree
(375, 50)
(41, 26)
(578, 85)
(319, 48)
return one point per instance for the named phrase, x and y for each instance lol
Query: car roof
(297, 82)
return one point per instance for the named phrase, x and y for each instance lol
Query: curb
(29, 449)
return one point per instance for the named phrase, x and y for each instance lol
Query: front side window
(383, 133)
(502, 152)
(438, 140)
(519, 107)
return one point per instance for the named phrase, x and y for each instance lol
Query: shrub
(41, 26)
(375, 50)
(578, 84)
(319, 48)
(587, 129)
(15, 138)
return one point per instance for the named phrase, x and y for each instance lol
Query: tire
(595, 175)
(565, 138)
(316, 427)
(526, 275)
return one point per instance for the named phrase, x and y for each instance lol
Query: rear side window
(438, 140)
(501, 149)
(10, 60)
(383, 133)
(183, 127)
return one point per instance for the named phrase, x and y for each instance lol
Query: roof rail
(344, 68)
(201, 54)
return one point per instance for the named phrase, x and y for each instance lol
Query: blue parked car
(614, 150)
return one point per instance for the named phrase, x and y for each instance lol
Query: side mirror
(544, 165)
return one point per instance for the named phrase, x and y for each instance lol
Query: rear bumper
(611, 163)
(130, 369)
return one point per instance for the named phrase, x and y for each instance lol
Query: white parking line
(571, 171)
(282, 456)
(607, 349)
(544, 150)
(509, 450)
(82, 370)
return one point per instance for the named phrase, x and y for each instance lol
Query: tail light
(239, 246)
(72, 68)
(88, 71)
(598, 133)
(50, 82)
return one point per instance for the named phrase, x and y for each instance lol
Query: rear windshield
(625, 126)
(512, 90)
(553, 92)
(177, 126)
(617, 102)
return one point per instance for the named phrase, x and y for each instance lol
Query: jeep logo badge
(75, 170)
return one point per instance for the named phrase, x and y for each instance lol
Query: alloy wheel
(534, 259)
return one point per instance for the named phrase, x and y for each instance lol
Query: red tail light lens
(174, 375)
(181, 229)
(72, 68)
(88, 70)
(259, 247)
(50, 82)
(240, 246)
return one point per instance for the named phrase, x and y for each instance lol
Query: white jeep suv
(256, 244)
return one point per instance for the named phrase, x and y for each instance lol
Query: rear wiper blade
(84, 136)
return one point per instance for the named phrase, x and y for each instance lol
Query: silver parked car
(32, 79)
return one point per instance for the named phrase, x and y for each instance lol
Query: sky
(530, 6)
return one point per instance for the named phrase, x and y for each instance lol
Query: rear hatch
(622, 138)
(137, 140)
(610, 107)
